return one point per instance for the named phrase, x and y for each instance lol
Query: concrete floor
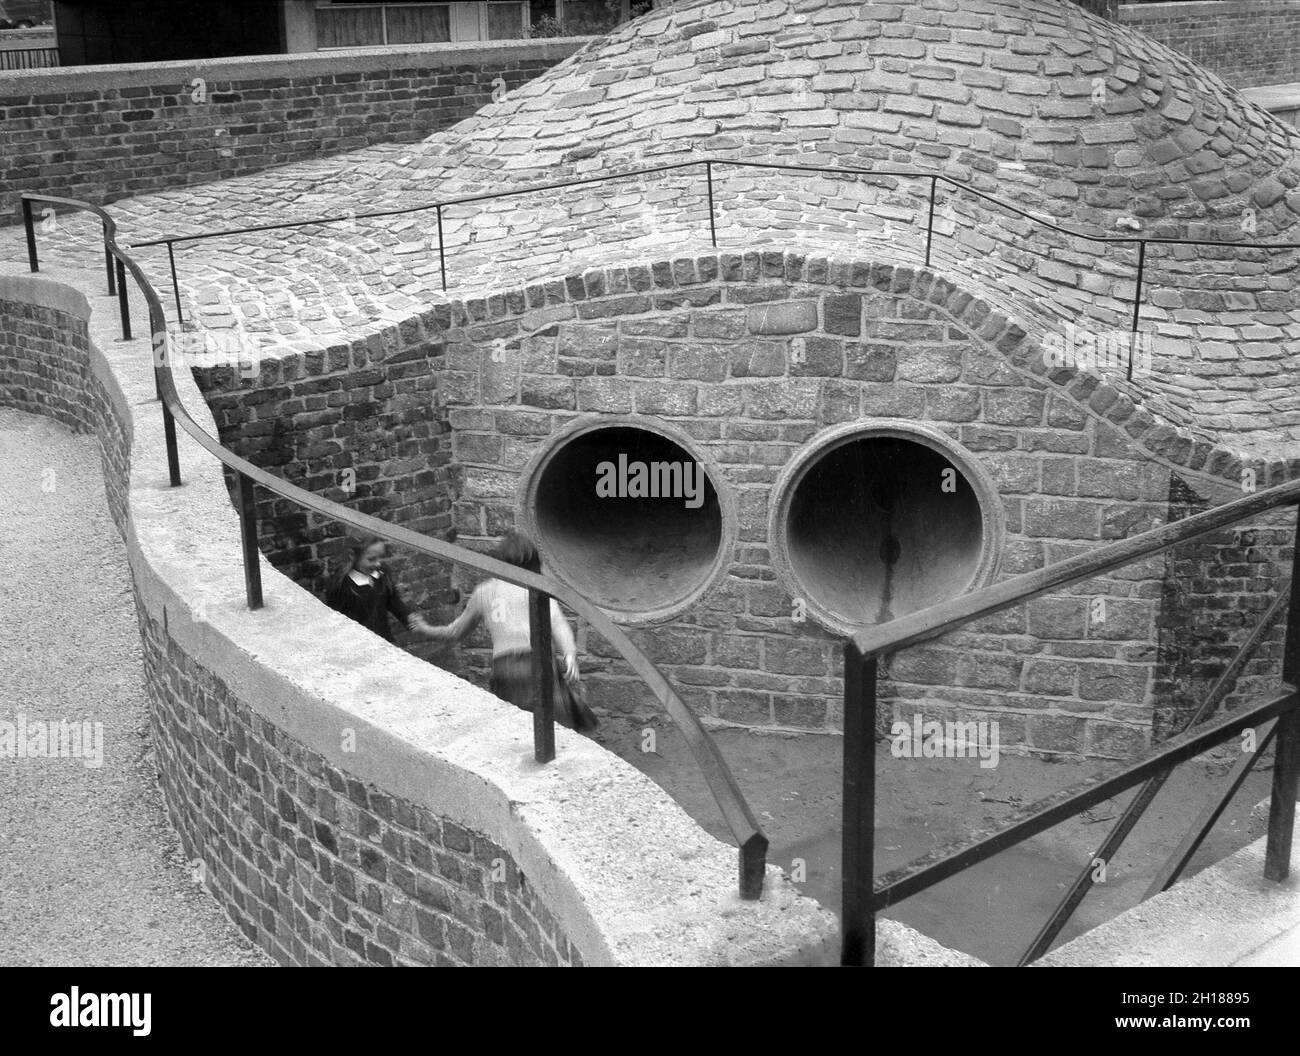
(91, 872)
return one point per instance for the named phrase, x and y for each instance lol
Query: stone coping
(630, 876)
(306, 64)
(1218, 918)
(1275, 97)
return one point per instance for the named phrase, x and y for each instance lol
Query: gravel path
(91, 872)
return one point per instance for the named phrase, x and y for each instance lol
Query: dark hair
(517, 549)
(358, 545)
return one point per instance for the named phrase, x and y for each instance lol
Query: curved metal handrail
(735, 810)
(935, 620)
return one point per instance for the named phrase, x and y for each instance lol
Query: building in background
(24, 14)
(109, 31)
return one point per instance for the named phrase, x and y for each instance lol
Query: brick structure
(336, 832)
(1246, 42)
(750, 359)
(1073, 119)
(106, 132)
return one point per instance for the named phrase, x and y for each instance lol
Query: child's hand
(571, 669)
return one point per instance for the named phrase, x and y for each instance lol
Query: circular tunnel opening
(878, 526)
(629, 518)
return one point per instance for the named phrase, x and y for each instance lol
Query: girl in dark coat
(368, 594)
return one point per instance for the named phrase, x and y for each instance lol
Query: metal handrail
(863, 897)
(946, 615)
(735, 810)
(1137, 806)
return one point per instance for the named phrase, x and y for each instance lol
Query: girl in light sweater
(503, 607)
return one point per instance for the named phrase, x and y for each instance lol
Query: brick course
(104, 133)
(1246, 42)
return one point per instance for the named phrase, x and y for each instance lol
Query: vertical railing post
(29, 223)
(173, 456)
(539, 637)
(858, 918)
(176, 289)
(713, 230)
(1286, 750)
(442, 259)
(248, 532)
(929, 222)
(108, 263)
(1137, 303)
(123, 301)
(160, 349)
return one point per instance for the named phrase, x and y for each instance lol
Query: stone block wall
(419, 841)
(72, 131)
(1246, 42)
(683, 342)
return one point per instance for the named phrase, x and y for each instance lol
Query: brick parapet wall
(1246, 42)
(349, 804)
(1077, 463)
(107, 132)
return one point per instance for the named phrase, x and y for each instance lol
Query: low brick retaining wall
(1246, 42)
(349, 803)
(105, 132)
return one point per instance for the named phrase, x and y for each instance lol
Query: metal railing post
(123, 302)
(29, 223)
(248, 532)
(176, 289)
(858, 917)
(108, 263)
(713, 231)
(929, 223)
(539, 635)
(1286, 757)
(173, 456)
(442, 258)
(1137, 304)
(160, 349)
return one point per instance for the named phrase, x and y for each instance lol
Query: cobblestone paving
(1078, 121)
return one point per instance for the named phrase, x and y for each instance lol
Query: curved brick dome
(1034, 101)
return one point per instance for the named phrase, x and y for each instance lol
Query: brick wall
(1246, 42)
(391, 852)
(363, 426)
(1216, 588)
(673, 342)
(106, 132)
(316, 866)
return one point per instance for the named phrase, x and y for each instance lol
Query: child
(503, 607)
(366, 593)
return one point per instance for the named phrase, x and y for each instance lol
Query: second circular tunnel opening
(878, 527)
